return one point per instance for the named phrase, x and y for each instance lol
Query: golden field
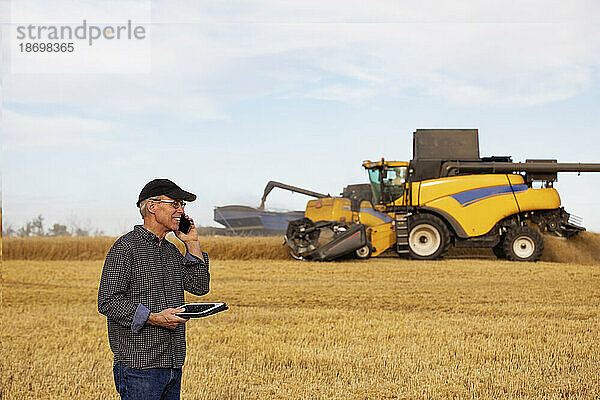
(95, 248)
(582, 249)
(377, 329)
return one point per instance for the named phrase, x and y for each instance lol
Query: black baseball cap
(165, 187)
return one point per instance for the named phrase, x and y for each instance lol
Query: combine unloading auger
(273, 184)
(245, 220)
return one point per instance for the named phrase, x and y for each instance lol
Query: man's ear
(150, 207)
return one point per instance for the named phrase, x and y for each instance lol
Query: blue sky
(241, 93)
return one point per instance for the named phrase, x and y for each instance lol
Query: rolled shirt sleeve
(139, 318)
(189, 258)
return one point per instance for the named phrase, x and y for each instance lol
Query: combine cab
(446, 196)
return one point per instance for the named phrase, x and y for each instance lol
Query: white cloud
(25, 131)
(260, 11)
(115, 96)
(336, 93)
(74, 11)
(209, 55)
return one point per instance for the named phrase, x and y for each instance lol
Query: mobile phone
(184, 224)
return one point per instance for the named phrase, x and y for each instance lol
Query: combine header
(447, 195)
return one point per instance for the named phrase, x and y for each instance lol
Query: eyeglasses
(175, 203)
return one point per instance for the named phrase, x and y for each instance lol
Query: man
(142, 283)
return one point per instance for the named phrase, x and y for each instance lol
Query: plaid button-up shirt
(141, 275)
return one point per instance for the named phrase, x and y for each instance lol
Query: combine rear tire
(523, 243)
(429, 237)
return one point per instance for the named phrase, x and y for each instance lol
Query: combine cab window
(389, 188)
(375, 185)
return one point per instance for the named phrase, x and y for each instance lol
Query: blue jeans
(147, 384)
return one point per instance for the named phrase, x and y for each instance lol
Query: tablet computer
(199, 310)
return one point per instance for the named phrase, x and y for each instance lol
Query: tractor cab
(387, 179)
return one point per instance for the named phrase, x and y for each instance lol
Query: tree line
(35, 227)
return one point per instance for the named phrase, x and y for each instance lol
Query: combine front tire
(363, 253)
(523, 243)
(429, 237)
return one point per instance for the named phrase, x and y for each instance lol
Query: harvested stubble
(383, 328)
(582, 249)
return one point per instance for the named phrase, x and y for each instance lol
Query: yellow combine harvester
(447, 195)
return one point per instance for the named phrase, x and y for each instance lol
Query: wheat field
(581, 249)
(376, 329)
